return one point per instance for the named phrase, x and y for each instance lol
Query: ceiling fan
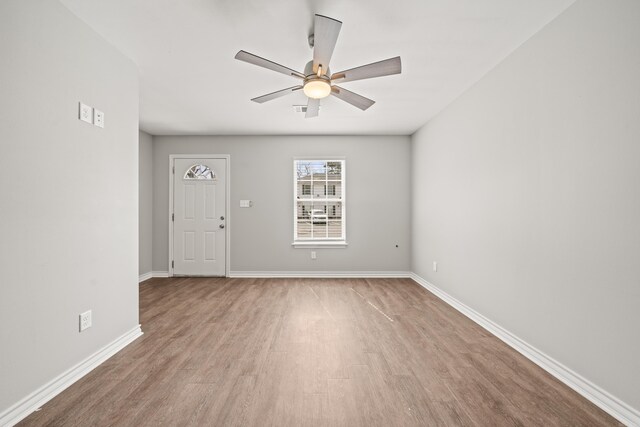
(317, 81)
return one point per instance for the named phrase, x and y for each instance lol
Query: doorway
(198, 217)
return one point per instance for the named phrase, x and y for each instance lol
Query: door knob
(221, 218)
(221, 225)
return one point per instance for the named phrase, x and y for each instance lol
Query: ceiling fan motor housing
(308, 70)
(316, 87)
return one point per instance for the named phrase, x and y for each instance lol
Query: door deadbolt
(221, 218)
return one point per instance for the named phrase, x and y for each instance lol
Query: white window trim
(320, 244)
(327, 243)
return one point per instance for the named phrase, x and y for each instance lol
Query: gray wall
(145, 202)
(378, 189)
(526, 192)
(69, 194)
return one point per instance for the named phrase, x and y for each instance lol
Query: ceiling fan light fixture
(317, 78)
(317, 88)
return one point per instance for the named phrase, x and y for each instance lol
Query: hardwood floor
(312, 352)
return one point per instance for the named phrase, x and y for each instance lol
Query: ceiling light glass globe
(317, 89)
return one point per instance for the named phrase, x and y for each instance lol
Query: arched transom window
(199, 172)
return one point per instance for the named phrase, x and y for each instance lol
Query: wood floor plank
(184, 406)
(312, 352)
(315, 410)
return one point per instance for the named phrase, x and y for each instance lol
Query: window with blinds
(319, 201)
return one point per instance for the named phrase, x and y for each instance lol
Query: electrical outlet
(435, 265)
(313, 255)
(85, 113)
(98, 118)
(85, 320)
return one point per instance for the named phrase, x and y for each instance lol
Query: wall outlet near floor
(313, 255)
(85, 320)
(435, 265)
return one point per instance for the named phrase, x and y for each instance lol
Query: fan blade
(377, 69)
(325, 35)
(352, 98)
(274, 95)
(265, 63)
(313, 107)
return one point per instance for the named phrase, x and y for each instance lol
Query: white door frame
(227, 157)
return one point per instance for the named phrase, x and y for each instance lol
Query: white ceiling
(190, 82)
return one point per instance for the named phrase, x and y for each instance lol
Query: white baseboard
(320, 274)
(48, 391)
(299, 274)
(151, 274)
(601, 398)
(145, 276)
(160, 274)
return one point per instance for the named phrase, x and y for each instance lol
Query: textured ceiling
(191, 84)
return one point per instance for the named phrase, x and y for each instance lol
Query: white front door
(199, 210)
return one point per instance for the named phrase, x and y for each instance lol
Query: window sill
(336, 244)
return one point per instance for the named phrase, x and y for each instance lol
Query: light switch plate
(98, 118)
(245, 203)
(85, 113)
